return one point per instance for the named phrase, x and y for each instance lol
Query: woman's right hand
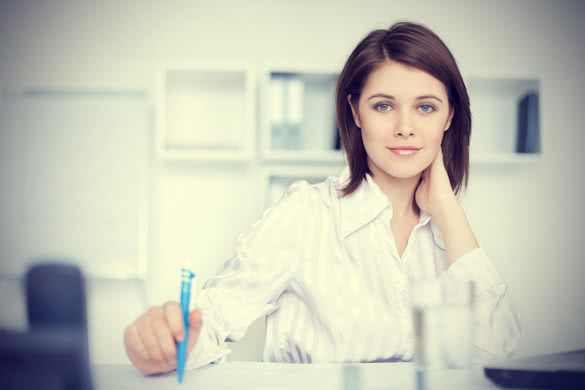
(151, 340)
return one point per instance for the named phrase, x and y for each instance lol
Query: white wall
(530, 218)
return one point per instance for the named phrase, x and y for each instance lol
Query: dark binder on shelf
(528, 125)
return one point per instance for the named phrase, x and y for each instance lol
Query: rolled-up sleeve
(249, 284)
(498, 328)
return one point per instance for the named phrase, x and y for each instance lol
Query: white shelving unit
(495, 103)
(301, 100)
(205, 112)
(297, 115)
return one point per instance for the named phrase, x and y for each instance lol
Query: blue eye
(383, 107)
(427, 108)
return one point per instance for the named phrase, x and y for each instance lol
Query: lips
(404, 150)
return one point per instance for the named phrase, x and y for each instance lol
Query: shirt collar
(366, 203)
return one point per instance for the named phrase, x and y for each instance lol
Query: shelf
(206, 155)
(325, 156)
(205, 112)
(505, 118)
(298, 115)
(505, 158)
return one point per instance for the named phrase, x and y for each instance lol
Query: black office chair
(53, 353)
(55, 296)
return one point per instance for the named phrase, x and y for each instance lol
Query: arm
(497, 326)
(250, 283)
(245, 289)
(455, 229)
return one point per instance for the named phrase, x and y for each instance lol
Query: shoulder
(324, 194)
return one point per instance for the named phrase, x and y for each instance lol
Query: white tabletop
(255, 375)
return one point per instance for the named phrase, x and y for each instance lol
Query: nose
(403, 126)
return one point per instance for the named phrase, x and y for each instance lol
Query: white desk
(253, 375)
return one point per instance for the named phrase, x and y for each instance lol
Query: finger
(195, 322)
(148, 337)
(165, 340)
(195, 319)
(174, 316)
(157, 327)
(134, 344)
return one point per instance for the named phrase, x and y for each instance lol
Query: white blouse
(326, 273)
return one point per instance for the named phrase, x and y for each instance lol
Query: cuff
(210, 347)
(206, 351)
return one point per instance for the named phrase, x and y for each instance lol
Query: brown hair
(413, 45)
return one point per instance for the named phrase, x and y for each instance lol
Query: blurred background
(140, 136)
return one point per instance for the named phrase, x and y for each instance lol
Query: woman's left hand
(434, 192)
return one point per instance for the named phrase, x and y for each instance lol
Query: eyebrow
(382, 95)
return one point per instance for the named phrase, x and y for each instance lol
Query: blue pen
(186, 276)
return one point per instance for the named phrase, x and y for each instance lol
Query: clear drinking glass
(442, 312)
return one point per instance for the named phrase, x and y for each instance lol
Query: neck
(399, 191)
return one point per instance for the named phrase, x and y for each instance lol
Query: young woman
(330, 264)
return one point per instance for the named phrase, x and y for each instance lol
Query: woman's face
(401, 106)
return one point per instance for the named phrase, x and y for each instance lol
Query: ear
(356, 116)
(448, 124)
